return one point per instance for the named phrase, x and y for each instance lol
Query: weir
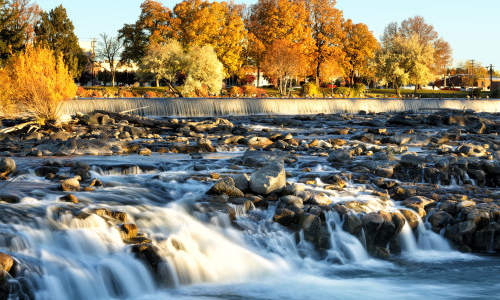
(197, 107)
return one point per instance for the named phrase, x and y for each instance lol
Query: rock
(205, 145)
(7, 166)
(128, 231)
(412, 160)
(268, 179)
(291, 201)
(340, 156)
(43, 171)
(69, 198)
(321, 199)
(225, 186)
(352, 224)
(242, 181)
(285, 217)
(148, 253)
(9, 198)
(6, 262)
(472, 150)
(315, 231)
(411, 218)
(439, 220)
(259, 142)
(145, 151)
(100, 119)
(384, 171)
(71, 184)
(418, 203)
(334, 179)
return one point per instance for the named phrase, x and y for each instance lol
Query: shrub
(150, 94)
(235, 91)
(6, 104)
(261, 93)
(96, 94)
(342, 91)
(39, 82)
(125, 93)
(249, 90)
(310, 90)
(109, 92)
(82, 92)
(359, 90)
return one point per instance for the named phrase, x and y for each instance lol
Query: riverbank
(159, 206)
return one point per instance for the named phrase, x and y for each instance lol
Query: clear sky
(471, 27)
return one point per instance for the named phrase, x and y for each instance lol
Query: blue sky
(471, 27)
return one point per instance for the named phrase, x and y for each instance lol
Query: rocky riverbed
(334, 188)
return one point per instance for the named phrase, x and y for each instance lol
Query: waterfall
(240, 107)
(344, 246)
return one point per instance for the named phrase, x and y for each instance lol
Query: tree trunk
(112, 77)
(258, 75)
(318, 67)
(174, 90)
(157, 81)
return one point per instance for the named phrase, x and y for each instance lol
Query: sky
(471, 27)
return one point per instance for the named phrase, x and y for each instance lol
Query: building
(485, 83)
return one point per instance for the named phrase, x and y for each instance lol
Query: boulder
(315, 231)
(418, 204)
(225, 186)
(352, 224)
(7, 166)
(242, 181)
(6, 262)
(69, 198)
(340, 156)
(71, 184)
(291, 201)
(268, 179)
(259, 142)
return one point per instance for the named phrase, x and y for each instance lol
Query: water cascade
(239, 107)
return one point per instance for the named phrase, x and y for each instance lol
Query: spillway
(196, 107)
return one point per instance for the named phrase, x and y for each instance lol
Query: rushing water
(207, 257)
(238, 107)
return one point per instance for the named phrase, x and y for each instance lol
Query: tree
(359, 46)
(109, 50)
(153, 26)
(284, 61)
(200, 22)
(272, 20)
(165, 61)
(56, 31)
(38, 82)
(426, 35)
(17, 20)
(204, 72)
(326, 27)
(403, 60)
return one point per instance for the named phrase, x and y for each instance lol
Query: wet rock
(69, 198)
(44, 171)
(7, 167)
(259, 142)
(340, 156)
(352, 224)
(291, 201)
(71, 184)
(9, 198)
(225, 186)
(418, 204)
(411, 218)
(439, 220)
(380, 229)
(128, 231)
(100, 119)
(315, 231)
(145, 151)
(268, 179)
(242, 181)
(471, 150)
(285, 217)
(6, 262)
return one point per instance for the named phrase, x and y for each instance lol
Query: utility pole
(92, 59)
(491, 75)
(472, 73)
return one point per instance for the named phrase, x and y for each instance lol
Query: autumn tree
(359, 47)
(153, 26)
(272, 20)
(17, 21)
(220, 24)
(37, 82)
(109, 50)
(284, 61)
(426, 35)
(56, 31)
(326, 27)
(164, 60)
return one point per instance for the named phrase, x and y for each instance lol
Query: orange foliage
(150, 94)
(235, 91)
(37, 82)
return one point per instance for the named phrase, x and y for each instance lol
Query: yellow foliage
(37, 82)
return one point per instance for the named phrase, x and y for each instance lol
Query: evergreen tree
(16, 26)
(56, 31)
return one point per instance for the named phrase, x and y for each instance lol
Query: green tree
(17, 19)
(164, 61)
(204, 71)
(56, 31)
